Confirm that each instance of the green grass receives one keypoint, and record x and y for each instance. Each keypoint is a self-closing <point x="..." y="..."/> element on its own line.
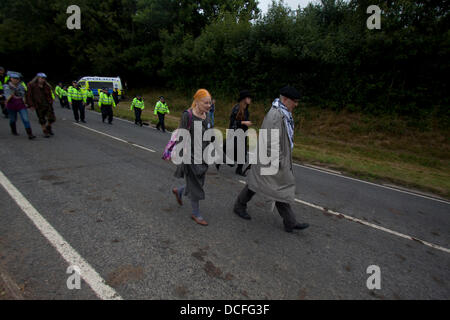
<point x="379" y="149"/>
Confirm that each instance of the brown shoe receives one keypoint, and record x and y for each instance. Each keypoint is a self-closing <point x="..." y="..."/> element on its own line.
<point x="175" y="192"/>
<point x="200" y="222"/>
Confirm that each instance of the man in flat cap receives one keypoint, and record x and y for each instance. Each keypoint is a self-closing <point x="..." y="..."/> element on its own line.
<point x="278" y="186"/>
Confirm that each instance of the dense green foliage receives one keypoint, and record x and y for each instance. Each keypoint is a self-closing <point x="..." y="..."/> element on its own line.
<point x="325" y="49"/>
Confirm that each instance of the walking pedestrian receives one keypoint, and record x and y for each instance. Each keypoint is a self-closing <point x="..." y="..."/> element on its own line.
<point x="39" y="97"/>
<point x="14" y="94"/>
<point x="106" y="103"/>
<point x="58" y="93"/>
<point x="194" y="174"/>
<point x="138" y="106"/>
<point x="64" y="100"/>
<point x="239" y="119"/>
<point x="77" y="99"/>
<point x="115" y="95"/>
<point x="161" y="109"/>
<point x="280" y="186"/>
<point x="3" y="81"/>
<point x="89" y="98"/>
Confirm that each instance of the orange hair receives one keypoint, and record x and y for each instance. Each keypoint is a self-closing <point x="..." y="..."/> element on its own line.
<point x="201" y="93"/>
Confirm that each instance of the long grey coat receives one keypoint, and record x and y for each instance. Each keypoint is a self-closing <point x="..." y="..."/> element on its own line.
<point x="281" y="186"/>
<point x="194" y="174"/>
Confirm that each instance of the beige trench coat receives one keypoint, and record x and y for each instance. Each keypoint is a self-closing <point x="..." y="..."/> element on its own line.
<point x="281" y="186"/>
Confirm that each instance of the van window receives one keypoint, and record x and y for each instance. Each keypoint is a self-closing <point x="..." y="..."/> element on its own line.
<point x="100" y="85"/>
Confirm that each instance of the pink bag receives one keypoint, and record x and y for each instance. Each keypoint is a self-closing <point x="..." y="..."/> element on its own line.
<point x="167" y="154"/>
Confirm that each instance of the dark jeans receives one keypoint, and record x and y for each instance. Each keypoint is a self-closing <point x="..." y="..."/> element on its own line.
<point x="64" y="102"/>
<point x="23" y="115"/>
<point x="107" y="112"/>
<point x="137" y="116"/>
<point x="161" y="122"/>
<point x="78" y="109"/>
<point x="90" y="101"/>
<point x="284" y="209"/>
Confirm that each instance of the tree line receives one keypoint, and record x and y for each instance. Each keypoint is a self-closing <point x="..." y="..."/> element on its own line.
<point x="324" y="49"/>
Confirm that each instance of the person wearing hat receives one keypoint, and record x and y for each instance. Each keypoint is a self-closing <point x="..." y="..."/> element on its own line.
<point x="4" y="78"/>
<point x="161" y="109"/>
<point x="239" y="119"/>
<point x="40" y="97"/>
<point x="77" y="99"/>
<point x="58" y="90"/>
<point x="64" y="99"/>
<point x="277" y="186"/>
<point x="14" y="94"/>
<point x="106" y="103"/>
<point x="138" y="106"/>
<point x="89" y="97"/>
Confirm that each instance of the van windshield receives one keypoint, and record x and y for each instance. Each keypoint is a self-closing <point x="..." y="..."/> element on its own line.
<point x="100" y="85"/>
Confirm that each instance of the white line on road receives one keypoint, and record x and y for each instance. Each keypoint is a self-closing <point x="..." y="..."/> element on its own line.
<point x="373" y="184"/>
<point x="341" y="215"/>
<point x="332" y="212"/>
<point x="92" y="278"/>
<point x="115" y="138"/>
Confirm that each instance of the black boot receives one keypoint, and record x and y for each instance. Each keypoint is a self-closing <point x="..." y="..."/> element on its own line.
<point x="13" y="129"/>
<point x="46" y="134"/>
<point x="239" y="170"/>
<point x="31" y="136"/>
<point x="49" y="130"/>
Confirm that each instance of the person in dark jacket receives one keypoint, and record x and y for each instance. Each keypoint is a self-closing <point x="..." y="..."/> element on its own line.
<point x="239" y="119"/>
<point x="39" y="97"/>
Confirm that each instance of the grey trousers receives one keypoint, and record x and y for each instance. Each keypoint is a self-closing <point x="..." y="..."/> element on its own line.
<point x="284" y="209"/>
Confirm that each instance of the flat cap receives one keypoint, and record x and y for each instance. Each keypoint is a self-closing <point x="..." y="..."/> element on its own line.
<point x="290" y="92"/>
<point x="13" y="74"/>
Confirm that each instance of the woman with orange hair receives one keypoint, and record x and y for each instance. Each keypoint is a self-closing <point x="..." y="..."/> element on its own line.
<point x="195" y="174"/>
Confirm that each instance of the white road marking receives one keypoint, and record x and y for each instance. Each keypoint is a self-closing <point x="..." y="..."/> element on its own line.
<point x="115" y="138"/>
<point x="72" y="257"/>
<point x="341" y="215"/>
<point x="337" y="213"/>
<point x="373" y="184"/>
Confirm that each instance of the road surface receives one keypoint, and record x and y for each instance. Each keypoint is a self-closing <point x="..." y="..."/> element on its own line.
<point x="98" y="196"/>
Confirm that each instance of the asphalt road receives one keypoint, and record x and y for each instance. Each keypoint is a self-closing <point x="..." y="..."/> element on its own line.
<point x="109" y="198"/>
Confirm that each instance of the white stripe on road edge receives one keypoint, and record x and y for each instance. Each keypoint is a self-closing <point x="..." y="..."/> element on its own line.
<point x="371" y="183"/>
<point x="92" y="278"/>
<point x="115" y="138"/>
<point x="341" y="215"/>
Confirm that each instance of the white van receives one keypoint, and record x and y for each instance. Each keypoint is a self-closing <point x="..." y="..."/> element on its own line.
<point x="97" y="83"/>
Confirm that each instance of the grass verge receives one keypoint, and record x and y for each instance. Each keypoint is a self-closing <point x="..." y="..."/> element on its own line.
<point x="378" y="149"/>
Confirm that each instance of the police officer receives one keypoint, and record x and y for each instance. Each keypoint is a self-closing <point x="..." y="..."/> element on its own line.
<point x="58" y="90"/>
<point x="64" y="95"/>
<point x="89" y="98"/>
<point x="106" y="103"/>
<point x="138" y="106"/>
<point x="3" y="80"/>
<point x="77" y="99"/>
<point x="161" y="109"/>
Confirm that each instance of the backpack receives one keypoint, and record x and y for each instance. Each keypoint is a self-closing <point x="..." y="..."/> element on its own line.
<point x="167" y="154"/>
